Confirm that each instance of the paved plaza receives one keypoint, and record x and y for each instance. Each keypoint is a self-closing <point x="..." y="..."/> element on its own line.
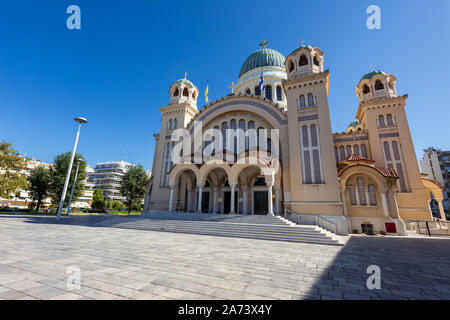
<point x="36" y="252"/>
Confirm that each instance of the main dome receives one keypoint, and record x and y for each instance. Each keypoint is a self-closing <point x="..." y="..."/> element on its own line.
<point x="262" y="58"/>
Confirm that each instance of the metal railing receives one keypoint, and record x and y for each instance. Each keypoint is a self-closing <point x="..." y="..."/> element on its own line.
<point x="310" y="219"/>
<point x="430" y="228"/>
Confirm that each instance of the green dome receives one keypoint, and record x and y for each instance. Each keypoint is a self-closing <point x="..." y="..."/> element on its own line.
<point x="185" y="81"/>
<point x="354" y="124"/>
<point x="370" y="75"/>
<point x="262" y="58"/>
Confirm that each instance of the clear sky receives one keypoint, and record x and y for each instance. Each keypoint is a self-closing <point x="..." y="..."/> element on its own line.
<point x="116" y="70"/>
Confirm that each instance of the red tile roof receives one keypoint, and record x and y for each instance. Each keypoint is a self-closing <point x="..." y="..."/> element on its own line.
<point x="386" y="172"/>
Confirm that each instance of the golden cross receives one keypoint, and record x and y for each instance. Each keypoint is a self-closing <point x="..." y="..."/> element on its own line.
<point x="264" y="43"/>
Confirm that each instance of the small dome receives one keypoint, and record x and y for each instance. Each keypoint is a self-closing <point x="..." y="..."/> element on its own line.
<point x="185" y="81"/>
<point x="354" y="124"/>
<point x="262" y="58"/>
<point x="371" y="74"/>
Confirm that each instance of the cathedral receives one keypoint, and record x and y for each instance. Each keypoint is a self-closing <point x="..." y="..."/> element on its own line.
<point x="366" y="175"/>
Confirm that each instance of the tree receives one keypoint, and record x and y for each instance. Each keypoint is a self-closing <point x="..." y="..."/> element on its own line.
<point x="58" y="176"/>
<point x="133" y="186"/>
<point x="39" y="180"/>
<point x="12" y="166"/>
<point x="98" y="200"/>
<point x="117" y="205"/>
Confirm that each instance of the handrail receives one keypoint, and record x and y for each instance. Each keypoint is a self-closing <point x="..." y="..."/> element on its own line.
<point x="320" y="221"/>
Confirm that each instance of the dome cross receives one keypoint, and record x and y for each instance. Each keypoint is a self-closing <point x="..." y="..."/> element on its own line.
<point x="264" y="43"/>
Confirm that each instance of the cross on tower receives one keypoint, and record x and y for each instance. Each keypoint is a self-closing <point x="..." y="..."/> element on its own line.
<point x="185" y="76"/>
<point x="264" y="43"/>
<point x="301" y="43"/>
<point x="232" y="87"/>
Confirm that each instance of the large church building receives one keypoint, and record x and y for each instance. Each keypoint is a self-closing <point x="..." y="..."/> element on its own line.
<point x="367" y="174"/>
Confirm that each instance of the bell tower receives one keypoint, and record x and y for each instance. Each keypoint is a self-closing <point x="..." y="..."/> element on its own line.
<point x="182" y="108"/>
<point x="314" y="183"/>
<point x="382" y="112"/>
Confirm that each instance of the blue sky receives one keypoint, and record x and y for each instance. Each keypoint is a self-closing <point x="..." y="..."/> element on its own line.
<point x="116" y="70"/>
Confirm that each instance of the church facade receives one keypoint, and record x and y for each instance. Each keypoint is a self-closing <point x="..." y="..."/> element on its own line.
<point x="367" y="174"/>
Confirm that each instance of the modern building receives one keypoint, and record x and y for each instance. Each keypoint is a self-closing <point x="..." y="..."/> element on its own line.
<point x="289" y="159"/>
<point x="436" y="164"/>
<point x="85" y="200"/>
<point x="108" y="176"/>
<point x="21" y="199"/>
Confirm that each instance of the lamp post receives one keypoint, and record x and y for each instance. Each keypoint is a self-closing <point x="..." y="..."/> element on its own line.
<point x="73" y="187"/>
<point x="80" y="121"/>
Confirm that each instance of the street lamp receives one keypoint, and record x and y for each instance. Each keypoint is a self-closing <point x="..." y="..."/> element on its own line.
<point x="80" y="121"/>
<point x="73" y="186"/>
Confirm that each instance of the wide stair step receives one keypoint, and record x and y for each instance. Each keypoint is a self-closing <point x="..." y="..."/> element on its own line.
<point x="237" y="226"/>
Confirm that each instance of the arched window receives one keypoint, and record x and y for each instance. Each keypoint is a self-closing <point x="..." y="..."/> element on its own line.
<point x="356" y="149"/>
<point x="291" y="66"/>
<point x="310" y="99"/>
<point x="269" y="145"/>
<point x="302" y="101"/>
<point x="194" y="95"/>
<point x="175" y="123"/>
<point x="279" y="94"/>
<point x="372" y="195"/>
<point x="336" y="155"/>
<point x="389" y="120"/>
<point x="342" y="152"/>
<point x="361" y="192"/>
<point x="233" y="126"/>
<point x="381" y="121"/>
<point x="251" y="125"/>
<point x="387" y="152"/>
<point x="248" y="91"/>
<point x="379" y="85"/>
<point x="366" y="89"/>
<point x="257" y="91"/>
<point x="169" y="124"/>
<point x="349" y="150"/>
<point x="352" y="194"/>
<point x="316" y="61"/>
<point x="396" y="150"/>
<point x="303" y="61"/>
<point x="224" y="135"/>
<point x="176" y="92"/>
<point x="364" y="151"/>
<point x="269" y="92"/>
<point x="186" y="92"/>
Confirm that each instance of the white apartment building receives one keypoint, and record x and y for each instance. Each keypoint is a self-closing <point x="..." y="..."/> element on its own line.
<point x="108" y="176"/>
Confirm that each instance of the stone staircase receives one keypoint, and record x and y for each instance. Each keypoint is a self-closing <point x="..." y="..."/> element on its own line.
<point x="238" y="226"/>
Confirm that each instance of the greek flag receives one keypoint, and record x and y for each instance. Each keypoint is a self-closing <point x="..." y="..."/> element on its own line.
<point x="261" y="83"/>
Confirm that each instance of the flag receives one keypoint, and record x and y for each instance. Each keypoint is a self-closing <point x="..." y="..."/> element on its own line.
<point x="206" y="93"/>
<point x="261" y="83"/>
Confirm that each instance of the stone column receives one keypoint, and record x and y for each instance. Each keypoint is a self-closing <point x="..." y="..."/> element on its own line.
<point x="172" y="188"/>
<point x="215" y="200"/>
<point x="441" y="210"/>
<point x="385" y="204"/>
<point x="244" y="205"/>
<point x="277" y="201"/>
<point x="199" y="204"/>
<point x="233" y="187"/>
<point x="269" y="199"/>
<point x="344" y="201"/>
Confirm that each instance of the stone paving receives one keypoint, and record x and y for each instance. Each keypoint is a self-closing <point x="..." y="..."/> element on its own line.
<point x="132" y="264"/>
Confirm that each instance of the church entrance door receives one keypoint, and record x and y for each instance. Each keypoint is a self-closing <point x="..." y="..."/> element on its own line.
<point x="260" y="202"/>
